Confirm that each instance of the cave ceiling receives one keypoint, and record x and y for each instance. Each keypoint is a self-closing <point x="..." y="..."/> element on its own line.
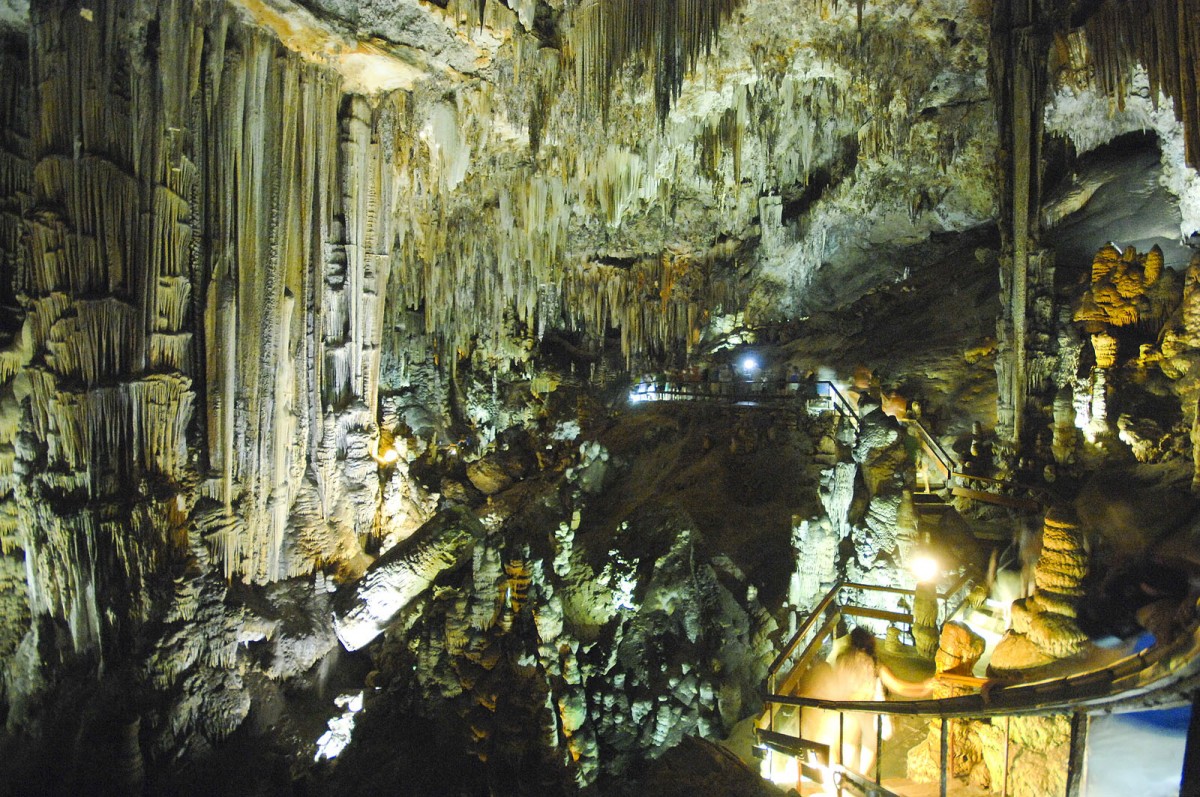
<point x="803" y="150"/>
<point x="807" y="146"/>
<point x="794" y="150"/>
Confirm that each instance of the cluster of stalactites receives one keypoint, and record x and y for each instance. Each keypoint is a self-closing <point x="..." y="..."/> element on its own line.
<point x="667" y="35"/>
<point x="791" y="121"/>
<point x="1164" y="37"/>
<point x="657" y="304"/>
<point x="209" y="132"/>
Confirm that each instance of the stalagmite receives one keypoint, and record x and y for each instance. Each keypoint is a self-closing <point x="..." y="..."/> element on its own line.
<point x="1063" y="426"/>
<point x="364" y="610"/>
<point x="1043" y="626"/>
<point x="264" y="312"/>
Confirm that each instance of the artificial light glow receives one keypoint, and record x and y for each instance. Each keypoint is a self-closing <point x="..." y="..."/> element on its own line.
<point x="749" y="364"/>
<point x="387" y="456"/>
<point x="782" y="770"/>
<point x="925" y="567"/>
<point x="334" y="740"/>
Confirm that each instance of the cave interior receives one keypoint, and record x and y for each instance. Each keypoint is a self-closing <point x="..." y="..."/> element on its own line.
<point x="461" y="397"/>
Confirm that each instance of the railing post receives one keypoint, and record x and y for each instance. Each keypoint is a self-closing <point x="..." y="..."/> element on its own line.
<point x="771" y="705"/>
<point x="1078" y="756"/>
<point x="841" y="749"/>
<point x="841" y="756"/>
<point x="878" y="749"/>
<point x="1190" y="781"/>
<point x="943" y="756"/>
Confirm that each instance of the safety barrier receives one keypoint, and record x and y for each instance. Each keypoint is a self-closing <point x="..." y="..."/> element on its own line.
<point x="1162" y="676"/>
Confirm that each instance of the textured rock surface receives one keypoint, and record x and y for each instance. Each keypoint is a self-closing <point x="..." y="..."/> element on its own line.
<point x="1043" y="628"/>
<point x="395" y="579"/>
<point x="281" y="281"/>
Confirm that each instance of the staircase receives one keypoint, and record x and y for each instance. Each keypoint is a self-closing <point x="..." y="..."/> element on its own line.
<point x="816" y="763"/>
<point x="945" y="474"/>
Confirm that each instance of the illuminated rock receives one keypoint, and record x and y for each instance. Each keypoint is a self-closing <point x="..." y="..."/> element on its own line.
<point x="365" y="609"/>
<point x="1063" y="427"/>
<point x="1044" y="628"/>
<point x="1105" y="347"/>
<point x="959" y="648"/>
<point x="488" y="476"/>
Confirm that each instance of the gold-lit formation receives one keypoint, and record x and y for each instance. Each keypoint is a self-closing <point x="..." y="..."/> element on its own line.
<point x="1043" y="624"/>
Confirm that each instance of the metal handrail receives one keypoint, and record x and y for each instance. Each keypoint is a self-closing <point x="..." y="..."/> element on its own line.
<point x="952" y="472"/>
<point x="829" y="600"/>
<point x="840" y="402"/>
<point x="1038" y="493"/>
<point x="804" y="628"/>
<point x="1159" y="677"/>
<point x="931" y="444"/>
<point x="960" y="590"/>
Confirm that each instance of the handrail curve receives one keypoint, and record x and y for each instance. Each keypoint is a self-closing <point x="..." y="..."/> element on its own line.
<point x="1159" y="677"/>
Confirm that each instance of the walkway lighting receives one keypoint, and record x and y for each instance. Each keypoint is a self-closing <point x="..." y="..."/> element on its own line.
<point x="925" y="567"/>
<point x="386" y="456"/>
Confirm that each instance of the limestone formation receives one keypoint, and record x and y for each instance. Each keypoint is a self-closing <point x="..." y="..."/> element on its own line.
<point x="815" y="548"/>
<point x="1063" y="427"/>
<point x="1127" y="291"/>
<point x="1044" y="630"/>
<point x="280" y="281"/>
<point x="958" y="650"/>
<point x="925" y="617"/>
<point x="396" y="578"/>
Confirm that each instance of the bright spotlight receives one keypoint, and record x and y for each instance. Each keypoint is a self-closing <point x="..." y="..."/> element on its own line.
<point x="387" y="456"/>
<point x="925" y="567"/>
<point x="749" y="365"/>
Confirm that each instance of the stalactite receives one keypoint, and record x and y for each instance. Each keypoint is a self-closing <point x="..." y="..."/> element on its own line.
<point x="16" y="194"/>
<point x="669" y="36"/>
<point x="1164" y="37"/>
<point x="110" y="252"/>
<point x="265" y="235"/>
<point x="658" y="304"/>
<point x="101" y="202"/>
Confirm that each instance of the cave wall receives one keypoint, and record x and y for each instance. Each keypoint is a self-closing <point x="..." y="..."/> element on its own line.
<point x="210" y="227"/>
<point x="195" y="270"/>
<point x="238" y="277"/>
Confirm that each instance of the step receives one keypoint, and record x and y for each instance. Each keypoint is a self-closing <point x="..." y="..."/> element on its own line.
<point x="1026" y="504"/>
<point x="792" y="745"/>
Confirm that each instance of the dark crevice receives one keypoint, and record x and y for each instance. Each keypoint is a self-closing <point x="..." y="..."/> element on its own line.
<point x="625" y="263"/>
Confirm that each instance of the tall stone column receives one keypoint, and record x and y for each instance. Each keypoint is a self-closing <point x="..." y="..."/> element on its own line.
<point x="1017" y="74"/>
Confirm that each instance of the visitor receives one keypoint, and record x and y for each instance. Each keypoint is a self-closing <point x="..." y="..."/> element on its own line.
<point x="725" y="377"/>
<point x="854" y="674"/>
